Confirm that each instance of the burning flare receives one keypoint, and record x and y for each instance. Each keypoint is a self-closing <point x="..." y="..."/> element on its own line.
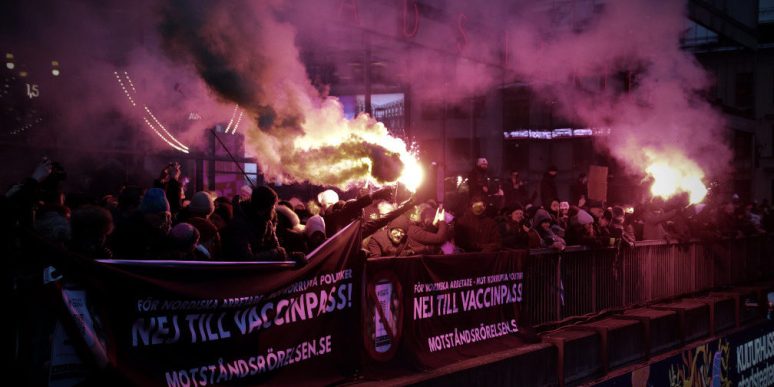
<point x="672" y="173"/>
<point x="337" y="151"/>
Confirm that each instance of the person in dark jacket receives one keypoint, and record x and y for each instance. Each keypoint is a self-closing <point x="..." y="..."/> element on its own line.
<point x="515" y="191"/>
<point x="604" y="228"/>
<point x="90" y="227"/>
<point x="430" y="231"/>
<point x="391" y="241"/>
<point x="478" y="181"/>
<point x="654" y="216"/>
<point x="169" y="181"/>
<point x="548" y="191"/>
<point x="476" y="232"/>
<point x="582" y="230"/>
<point x="251" y="235"/>
<point x="144" y="235"/>
<point x="198" y="214"/>
<point x="223" y="213"/>
<point x="388" y="234"/>
<point x="184" y="244"/>
<point x="513" y="231"/>
<point x="290" y="231"/>
<point x="579" y="191"/>
<point x="338" y="214"/>
<point x="541" y="234"/>
<point x="314" y="229"/>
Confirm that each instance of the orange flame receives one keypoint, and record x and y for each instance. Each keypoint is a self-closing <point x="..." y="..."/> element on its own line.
<point x="673" y="173"/>
<point x="341" y="137"/>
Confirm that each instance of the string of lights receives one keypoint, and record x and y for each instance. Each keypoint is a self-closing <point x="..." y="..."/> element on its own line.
<point x="123" y="87"/>
<point x="239" y="119"/>
<point x="184" y="150"/>
<point x="131" y="84"/>
<point x="231" y="121"/>
<point x="169" y="138"/>
<point x="180" y="144"/>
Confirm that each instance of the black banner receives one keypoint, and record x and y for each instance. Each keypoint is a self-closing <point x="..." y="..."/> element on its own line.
<point x="214" y="323"/>
<point x="434" y="310"/>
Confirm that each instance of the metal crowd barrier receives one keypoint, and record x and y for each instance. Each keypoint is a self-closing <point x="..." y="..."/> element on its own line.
<point x="581" y="281"/>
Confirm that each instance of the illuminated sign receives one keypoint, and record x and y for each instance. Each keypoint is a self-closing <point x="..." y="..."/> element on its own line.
<point x="548" y="134"/>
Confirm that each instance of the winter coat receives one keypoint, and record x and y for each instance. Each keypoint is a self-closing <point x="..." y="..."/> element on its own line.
<point x="380" y="245"/>
<point x="290" y="232"/>
<point x="513" y="235"/>
<point x="652" y="228"/>
<point x="422" y="241"/>
<point x="337" y="219"/>
<point x="251" y="238"/>
<point x="172" y="188"/>
<point x="477" y="233"/>
<point x="135" y="238"/>
<point x="577" y="190"/>
<point x="543" y="237"/>
<point x="208" y="235"/>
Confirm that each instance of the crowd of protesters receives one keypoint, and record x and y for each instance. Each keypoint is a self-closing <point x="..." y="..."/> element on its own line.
<point x="541" y="219"/>
<point x="158" y="222"/>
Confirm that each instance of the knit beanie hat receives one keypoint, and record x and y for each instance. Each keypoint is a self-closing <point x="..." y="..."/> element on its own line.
<point x="184" y="237"/>
<point x="263" y="198"/>
<point x="154" y="201"/>
<point x="583" y="218"/>
<point x="315" y="223"/>
<point x="541" y="216"/>
<point x="201" y="204"/>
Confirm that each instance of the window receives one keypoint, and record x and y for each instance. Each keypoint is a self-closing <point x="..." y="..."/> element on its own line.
<point x="698" y="35"/>
<point x="743" y="89"/>
<point x="743" y="145"/>
<point x="463" y="148"/>
<point x="516" y="155"/>
<point x="766" y="11"/>
<point x="516" y="106"/>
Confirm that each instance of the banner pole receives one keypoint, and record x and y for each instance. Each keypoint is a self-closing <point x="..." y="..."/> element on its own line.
<point x="249" y="180"/>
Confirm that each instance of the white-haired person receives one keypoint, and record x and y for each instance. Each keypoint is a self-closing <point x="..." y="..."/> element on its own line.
<point x="338" y="214"/>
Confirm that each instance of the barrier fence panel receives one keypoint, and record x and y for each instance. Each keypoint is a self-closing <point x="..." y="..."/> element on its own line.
<point x="580" y="281"/>
<point x="608" y="287"/>
<point x="635" y="280"/>
<point x="706" y="266"/>
<point x="542" y="302"/>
